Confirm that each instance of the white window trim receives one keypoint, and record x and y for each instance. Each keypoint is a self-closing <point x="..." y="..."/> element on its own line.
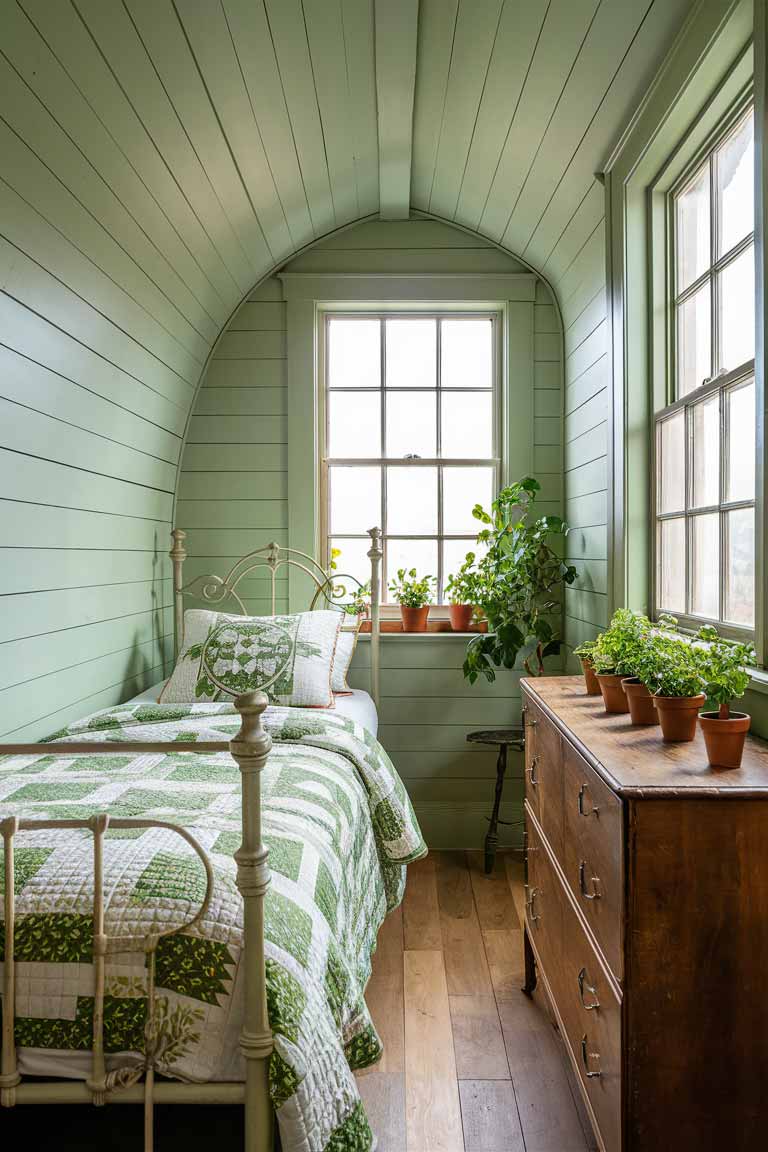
<point x="307" y="294"/>
<point x="717" y="384"/>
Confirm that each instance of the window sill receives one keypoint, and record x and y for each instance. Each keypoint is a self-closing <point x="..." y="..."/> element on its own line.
<point x="443" y="634"/>
<point x="758" y="681"/>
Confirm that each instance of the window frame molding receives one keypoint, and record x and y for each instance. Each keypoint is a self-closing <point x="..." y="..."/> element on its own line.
<point x="308" y="294"/>
<point x="663" y="250"/>
<point x="709" y="67"/>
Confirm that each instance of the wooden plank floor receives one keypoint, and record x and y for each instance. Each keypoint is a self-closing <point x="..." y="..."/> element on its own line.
<point x="470" y="1064"/>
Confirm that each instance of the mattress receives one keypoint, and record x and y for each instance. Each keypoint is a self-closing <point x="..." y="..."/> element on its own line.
<point x="357" y="706"/>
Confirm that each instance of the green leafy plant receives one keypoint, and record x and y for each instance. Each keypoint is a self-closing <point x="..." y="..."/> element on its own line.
<point x="673" y="666"/>
<point x="586" y="650"/>
<point x="520" y="578"/>
<point x="412" y="590"/>
<point x="465" y="586"/>
<point x="725" y="668"/>
<point x="621" y="648"/>
<point x="359" y="600"/>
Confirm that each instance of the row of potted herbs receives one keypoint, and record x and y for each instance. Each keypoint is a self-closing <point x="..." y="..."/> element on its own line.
<point x="415" y="595"/>
<point x="661" y="677"/>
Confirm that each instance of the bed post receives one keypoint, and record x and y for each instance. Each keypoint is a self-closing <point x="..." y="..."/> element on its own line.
<point x="374" y="555"/>
<point x="250" y="748"/>
<point x="9" y="1073"/>
<point x="178" y="555"/>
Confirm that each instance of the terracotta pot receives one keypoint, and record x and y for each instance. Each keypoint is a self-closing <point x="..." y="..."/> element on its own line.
<point x="414" y="619"/>
<point x="590" y="677"/>
<point x="461" y="616"/>
<point x="677" y="716"/>
<point x="640" y="701"/>
<point x="724" y="738"/>
<point x="614" y="697"/>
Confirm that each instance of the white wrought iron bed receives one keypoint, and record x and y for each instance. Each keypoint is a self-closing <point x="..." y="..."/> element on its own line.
<point x="250" y="749"/>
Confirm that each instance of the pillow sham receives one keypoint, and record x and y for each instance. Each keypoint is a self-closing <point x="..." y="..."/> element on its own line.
<point x="291" y="657"/>
<point x="345" y="650"/>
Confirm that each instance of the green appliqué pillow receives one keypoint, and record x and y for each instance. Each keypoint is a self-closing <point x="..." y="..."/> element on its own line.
<point x="289" y="657"/>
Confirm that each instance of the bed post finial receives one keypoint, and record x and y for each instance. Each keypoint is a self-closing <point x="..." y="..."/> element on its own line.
<point x="178" y="555"/>
<point x="250" y="748"/>
<point x="375" y="554"/>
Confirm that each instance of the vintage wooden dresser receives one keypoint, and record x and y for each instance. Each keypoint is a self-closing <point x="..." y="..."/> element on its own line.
<point x="647" y="922"/>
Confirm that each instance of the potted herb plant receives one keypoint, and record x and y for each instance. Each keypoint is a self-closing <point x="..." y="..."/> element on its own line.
<point x="585" y="652"/>
<point x="413" y="593"/>
<point x="520" y="584"/>
<point x="676" y="669"/>
<point x="727" y="679"/>
<point x="463" y="591"/>
<point x="615" y="658"/>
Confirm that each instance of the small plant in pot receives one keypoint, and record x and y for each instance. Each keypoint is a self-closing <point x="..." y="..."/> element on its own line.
<point x="727" y="679"/>
<point x="615" y="658"/>
<point x="414" y="594"/>
<point x="585" y="653"/>
<point x="676" y="673"/>
<point x="462" y="589"/>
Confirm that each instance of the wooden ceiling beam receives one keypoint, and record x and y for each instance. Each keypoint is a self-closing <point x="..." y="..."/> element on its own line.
<point x="396" y="29"/>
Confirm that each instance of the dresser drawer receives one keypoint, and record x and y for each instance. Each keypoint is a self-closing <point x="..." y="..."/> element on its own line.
<point x="543" y="902"/>
<point x="544" y="774"/>
<point x="591" y="1013"/>
<point x="594" y="853"/>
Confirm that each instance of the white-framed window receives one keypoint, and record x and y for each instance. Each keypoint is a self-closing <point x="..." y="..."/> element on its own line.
<point x="704" y="439"/>
<point x="411" y="435"/>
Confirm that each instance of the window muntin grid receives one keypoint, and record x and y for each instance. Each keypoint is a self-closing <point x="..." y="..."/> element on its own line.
<point x="704" y="441"/>
<point x="459" y="450"/>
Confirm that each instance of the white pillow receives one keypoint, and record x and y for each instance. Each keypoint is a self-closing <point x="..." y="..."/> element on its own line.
<point x="345" y="650"/>
<point x="290" y="657"/>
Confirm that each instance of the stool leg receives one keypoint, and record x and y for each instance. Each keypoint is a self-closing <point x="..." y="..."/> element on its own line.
<point x="492" y="837"/>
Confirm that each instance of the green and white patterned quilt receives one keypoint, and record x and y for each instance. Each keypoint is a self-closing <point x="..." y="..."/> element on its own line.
<point x="340" y="829"/>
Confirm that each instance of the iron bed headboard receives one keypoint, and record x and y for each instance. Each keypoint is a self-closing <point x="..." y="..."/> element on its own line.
<point x="330" y="587"/>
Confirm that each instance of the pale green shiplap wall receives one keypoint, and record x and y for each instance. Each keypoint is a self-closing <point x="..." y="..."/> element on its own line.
<point x="577" y="270"/>
<point x="232" y="496"/>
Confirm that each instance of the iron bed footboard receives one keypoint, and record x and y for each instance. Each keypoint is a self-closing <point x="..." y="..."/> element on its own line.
<point x="250" y="749"/>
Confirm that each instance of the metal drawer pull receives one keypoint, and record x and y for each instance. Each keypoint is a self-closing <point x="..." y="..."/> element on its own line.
<point x="592" y="991"/>
<point x="593" y="810"/>
<point x="595" y="894"/>
<point x="530" y="897"/>
<point x="586" y="1057"/>
<point x="532" y="772"/>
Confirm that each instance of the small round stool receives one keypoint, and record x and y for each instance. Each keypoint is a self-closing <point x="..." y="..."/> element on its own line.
<point x="501" y="738"/>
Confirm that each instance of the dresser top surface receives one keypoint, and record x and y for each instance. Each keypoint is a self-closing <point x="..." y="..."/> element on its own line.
<point x="634" y="760"/>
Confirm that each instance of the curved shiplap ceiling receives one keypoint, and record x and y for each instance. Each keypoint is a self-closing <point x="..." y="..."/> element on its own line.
<point x="157" y="159"/>
<point x="235" y="132"/>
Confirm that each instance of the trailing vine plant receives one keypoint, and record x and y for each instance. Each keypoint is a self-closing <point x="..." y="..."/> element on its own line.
<point x="520" y="579"/>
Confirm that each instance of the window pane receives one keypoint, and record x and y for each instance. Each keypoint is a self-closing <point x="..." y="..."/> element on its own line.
<point x="692" y="208"/>
<point x="412" y="501"/>
<point x="352" y="562"/>
<point x="705" y="565"/>
<point x="412" y="424"/>
<point x="737" y="311"/>
<point x="705" y="452"/>
<point x="671" y="464"/>
<point x="411" y="353"/>
<point x="355" y="499"/>
<point x="670" y="576"/>
<point x="467" y="424"/>
<point x="354" y="424"/>
<point x="454" y="554"/>
<point x="462" y="489"/>
<point x="694" y="326"/>
<point x="740" y="416"/>
<point x="740" y="567"/>
<point x="734" y="167"/>
<point x="418" y="554"/>
<point x="354" y="354"/>
<point x="467" y="354"/>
